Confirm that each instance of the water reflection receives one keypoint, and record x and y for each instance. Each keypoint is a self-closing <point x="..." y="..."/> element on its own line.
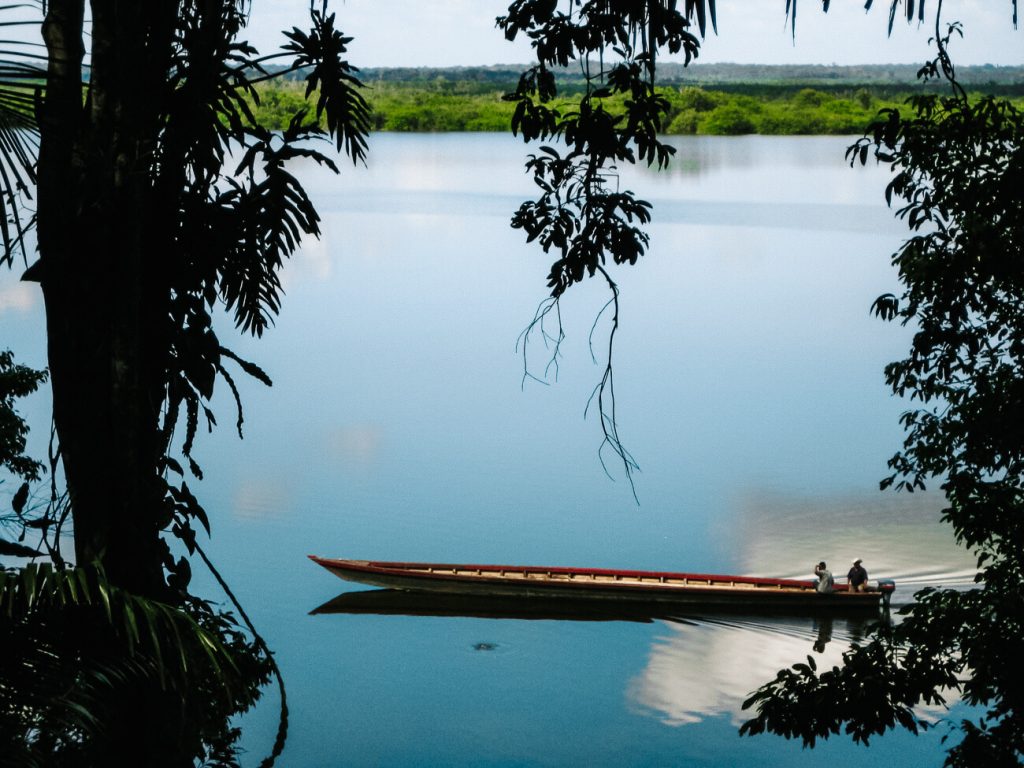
<point x="704" y="665"/>
<point x="712" y="155"/>
<point x="707" y="666"/>
<point x="397" y="602"/>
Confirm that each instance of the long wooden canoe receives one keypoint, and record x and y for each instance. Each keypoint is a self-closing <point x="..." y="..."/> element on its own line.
<point x="603" y="584"/>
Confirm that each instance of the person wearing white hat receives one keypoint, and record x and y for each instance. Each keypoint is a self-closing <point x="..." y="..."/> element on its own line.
<point x="858" y="577"/>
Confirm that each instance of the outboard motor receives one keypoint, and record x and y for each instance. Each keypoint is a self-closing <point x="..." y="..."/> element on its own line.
<point x="886" y="587"/>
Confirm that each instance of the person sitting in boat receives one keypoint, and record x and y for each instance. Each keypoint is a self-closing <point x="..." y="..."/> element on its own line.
<point x="858" y="577"/>
<point x="825" y="581"/>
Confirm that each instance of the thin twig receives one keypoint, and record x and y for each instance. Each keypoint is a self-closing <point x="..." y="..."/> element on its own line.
<point x="607" y="413"/>
<point x="553" y="343"/>
<point x="282" y="725"/>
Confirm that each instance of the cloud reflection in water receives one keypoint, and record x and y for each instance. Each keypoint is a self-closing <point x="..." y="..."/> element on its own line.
<point x="704" y="667"/>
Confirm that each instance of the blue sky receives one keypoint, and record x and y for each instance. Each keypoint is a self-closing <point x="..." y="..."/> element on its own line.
<point x="393" y="33"/>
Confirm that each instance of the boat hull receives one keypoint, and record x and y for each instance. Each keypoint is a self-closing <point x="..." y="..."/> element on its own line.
<point x="647" y="587"/>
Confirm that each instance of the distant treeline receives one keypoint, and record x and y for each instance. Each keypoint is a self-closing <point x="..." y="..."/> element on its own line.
<point x="718" y="99"/>
<point x="751" y="77"/>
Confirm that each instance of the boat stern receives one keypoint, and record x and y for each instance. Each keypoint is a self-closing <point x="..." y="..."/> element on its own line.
<point x="886" y="587"/>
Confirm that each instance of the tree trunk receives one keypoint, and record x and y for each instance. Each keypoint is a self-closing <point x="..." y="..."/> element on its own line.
<point x="103" y="307"/>
<point x="105" y="314"/>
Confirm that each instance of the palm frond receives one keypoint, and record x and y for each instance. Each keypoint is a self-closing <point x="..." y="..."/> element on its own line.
<point x="22" y="73"/>
<point x="74" y="645"/>
<point x="149" y="629"/>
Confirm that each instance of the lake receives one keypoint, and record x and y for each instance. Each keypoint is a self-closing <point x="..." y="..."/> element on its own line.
<point x="400" y="427"/>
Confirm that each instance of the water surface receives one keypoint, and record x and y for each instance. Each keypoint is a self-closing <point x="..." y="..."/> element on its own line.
<point x="399" y="427"/>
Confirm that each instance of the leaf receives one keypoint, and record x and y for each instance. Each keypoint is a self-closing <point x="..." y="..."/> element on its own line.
<point x="250" y="368"/>
<point x="155" y="645"/>
<point x="131" y="626"/>
<point x="20" y="497"/>
<point x="173" y="465"/>
<point x="347" y="112"/>
<point x="28" y="580"/>
<point x="13" y="549"/>
<point x="103" y="589"/>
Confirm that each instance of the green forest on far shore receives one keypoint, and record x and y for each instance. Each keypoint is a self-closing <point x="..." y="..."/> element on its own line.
<point x="470" y="99"/>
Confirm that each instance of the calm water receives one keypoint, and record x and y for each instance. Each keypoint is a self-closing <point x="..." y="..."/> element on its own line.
<point x="750" y="391"/>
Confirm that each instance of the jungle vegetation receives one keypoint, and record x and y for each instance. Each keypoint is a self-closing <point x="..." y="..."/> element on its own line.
<point x="158" y="198"/>
<point x="722" y="100"/>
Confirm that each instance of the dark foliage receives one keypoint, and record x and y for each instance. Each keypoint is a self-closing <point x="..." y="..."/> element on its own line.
<point x="160" y="198"/>
<point x="581" y="215"/>
<point x="19" y="139"/>
<point x="16" y="381"/>
<point x="958" y="168"/>
<point x="76" y="646"/>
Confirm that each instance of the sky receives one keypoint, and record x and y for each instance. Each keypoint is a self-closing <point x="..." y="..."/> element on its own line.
<point x="441" y="33"/>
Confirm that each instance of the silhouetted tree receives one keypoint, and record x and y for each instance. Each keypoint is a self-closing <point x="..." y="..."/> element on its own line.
<point x="158" y="197"/>
<point x="958" y="167"/>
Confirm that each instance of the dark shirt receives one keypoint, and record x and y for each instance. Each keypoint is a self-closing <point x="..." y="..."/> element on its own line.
<point x="857" y="576"/>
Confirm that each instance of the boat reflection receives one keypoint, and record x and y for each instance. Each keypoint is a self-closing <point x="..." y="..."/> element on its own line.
<point x="397" y="602"/>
